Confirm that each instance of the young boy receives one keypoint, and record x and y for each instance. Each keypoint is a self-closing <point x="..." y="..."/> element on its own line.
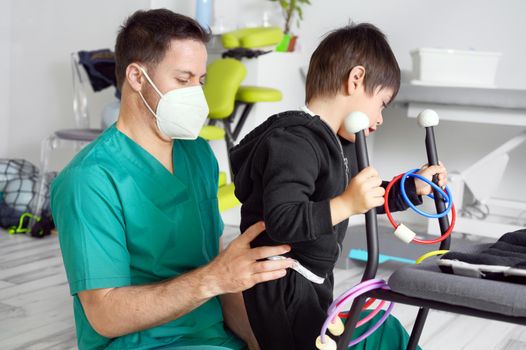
<point x="293" y="172"/>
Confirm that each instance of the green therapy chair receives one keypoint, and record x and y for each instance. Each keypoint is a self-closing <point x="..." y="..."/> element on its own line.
<point x="251" y="38"/>
<point x="225" y="95"/>
<point x="223" y="79"/>
<point x="248" y="39"/>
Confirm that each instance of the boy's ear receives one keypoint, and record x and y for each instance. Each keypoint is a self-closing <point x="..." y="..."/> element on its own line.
<point x="355" y="79"/>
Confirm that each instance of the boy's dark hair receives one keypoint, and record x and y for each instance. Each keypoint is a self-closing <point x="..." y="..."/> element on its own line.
<point x="345" y="48"/>
<point x="146" y="35"/>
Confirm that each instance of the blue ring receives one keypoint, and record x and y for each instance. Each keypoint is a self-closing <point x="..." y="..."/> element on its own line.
<point x="445" y="195"/>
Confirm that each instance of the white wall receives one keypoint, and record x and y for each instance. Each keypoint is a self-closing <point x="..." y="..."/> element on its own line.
<point x="483" y="25"/>
<point x="36" y="38"/>
<point x="186" y="7"/>
<point x="399" y="145"/>
<point x="5" y="69"/>
<point x="449" y="24"/>
<point x="230" y="14"/>
<point x="469" y="24"/>
<point x="43" y="34"/>
<point x="478" y="24"/>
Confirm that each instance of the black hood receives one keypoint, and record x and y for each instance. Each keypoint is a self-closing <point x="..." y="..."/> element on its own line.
<point x="242" y="155"/>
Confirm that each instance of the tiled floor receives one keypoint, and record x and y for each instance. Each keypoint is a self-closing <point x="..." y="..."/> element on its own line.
<point x="36" y="310"/>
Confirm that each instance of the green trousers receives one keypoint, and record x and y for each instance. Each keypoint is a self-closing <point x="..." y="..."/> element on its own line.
<point x="390" y="336"/>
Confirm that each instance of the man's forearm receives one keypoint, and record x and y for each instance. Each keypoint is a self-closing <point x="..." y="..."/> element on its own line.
<point x="114" y="312"/>
<point x="125" y="310"/>
<point x="236" y="318"/>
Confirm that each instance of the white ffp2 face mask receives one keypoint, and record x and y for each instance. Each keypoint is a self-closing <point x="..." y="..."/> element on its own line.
<point x="181" y="113"/>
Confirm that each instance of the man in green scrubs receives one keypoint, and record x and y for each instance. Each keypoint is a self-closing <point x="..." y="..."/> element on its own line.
<point x="137" y="213"/>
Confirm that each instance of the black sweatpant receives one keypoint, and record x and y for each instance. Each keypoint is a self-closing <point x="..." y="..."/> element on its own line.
<point x="288" y="313"/>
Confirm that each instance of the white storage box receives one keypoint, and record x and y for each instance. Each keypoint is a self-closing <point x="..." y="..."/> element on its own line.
<point x="454" y="67"/>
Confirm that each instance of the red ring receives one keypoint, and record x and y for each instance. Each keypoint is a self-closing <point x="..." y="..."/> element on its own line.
<point x="395" y="225"/>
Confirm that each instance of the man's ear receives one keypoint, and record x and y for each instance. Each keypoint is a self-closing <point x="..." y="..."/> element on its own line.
<point x="355" y="79"/>
<point x="134" y="77"/>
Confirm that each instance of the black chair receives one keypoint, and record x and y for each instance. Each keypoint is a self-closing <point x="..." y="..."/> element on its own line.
<point x="425" y="286"/>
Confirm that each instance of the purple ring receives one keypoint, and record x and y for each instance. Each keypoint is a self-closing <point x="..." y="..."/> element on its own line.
<point x="352" y="293"/>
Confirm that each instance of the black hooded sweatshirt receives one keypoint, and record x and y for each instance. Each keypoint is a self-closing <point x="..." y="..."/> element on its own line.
<point x="286" y="171"/>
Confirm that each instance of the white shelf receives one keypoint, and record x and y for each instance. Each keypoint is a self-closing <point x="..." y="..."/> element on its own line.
<point x="491" y="106"/>
<point x="491" y="227"/>
<point x="471" y="114"/>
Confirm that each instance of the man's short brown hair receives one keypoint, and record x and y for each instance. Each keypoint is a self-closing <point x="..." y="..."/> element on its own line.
<point x="146" y="35"/>
<point x="345" y="48"/>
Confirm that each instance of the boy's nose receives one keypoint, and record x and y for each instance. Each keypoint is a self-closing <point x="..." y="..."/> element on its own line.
<point x="380" y="120"/>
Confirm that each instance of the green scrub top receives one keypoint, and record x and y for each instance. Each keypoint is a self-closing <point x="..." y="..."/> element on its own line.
<point x="391" y="335"/>
<point x="124" y="219"/>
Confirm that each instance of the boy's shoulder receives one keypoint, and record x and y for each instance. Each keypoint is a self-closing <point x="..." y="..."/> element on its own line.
<point x="273" y="128"/>
<point x="292" y="136"/>
<point x="300" y="125"/>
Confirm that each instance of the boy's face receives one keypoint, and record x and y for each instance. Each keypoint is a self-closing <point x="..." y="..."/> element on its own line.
<point x="372" y="105"/>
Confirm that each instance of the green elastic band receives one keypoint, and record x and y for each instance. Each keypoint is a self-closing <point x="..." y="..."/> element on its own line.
<point x="23" y="226"/>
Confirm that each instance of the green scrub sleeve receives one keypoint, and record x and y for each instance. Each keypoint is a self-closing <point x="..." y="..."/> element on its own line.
<point x="88" y="215"/>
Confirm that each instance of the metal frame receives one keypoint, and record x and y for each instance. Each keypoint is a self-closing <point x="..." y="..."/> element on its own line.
<point x="228" y="123"/>
<point x="372" y="266"/>
<point x="437" y="305"/>
<point x="232" y="131"/>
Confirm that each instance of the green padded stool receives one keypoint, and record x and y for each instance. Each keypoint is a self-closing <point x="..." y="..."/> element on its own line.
<point x="247" y="96"/>
<point x="212" y="132"/>
<point x="223" y="79"/>
<point x="227" y="198"/>
<point x="222" y="179"/>
<point x="224" y="96"/>
<point x="253" y="94"/>
<point x="250" y="38"/>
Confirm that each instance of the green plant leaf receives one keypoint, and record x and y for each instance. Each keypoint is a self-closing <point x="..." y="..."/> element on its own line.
<point x="300" y="13"/>
<point x="289" y="7"/>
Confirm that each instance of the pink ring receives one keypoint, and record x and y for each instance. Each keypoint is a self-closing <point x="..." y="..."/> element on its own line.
<point x="371" y="314"/>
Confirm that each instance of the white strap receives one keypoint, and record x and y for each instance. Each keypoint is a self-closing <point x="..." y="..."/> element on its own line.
<point x="302" y="270"/>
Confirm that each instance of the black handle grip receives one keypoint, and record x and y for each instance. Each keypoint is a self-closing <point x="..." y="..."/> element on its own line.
<point x="371" y="226"/>
<point x="432" y="159"/>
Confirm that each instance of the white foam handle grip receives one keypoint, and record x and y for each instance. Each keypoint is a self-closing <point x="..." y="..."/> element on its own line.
<point x="427" y="118"/>
<point x="336" y="327"/>
<point x="329" y="344"/>
<point x="356" y="121"/>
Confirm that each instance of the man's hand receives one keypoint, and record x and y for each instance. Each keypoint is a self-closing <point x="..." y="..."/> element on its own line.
<point x="422" y="188"/>
<point x="238" y="268"/>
